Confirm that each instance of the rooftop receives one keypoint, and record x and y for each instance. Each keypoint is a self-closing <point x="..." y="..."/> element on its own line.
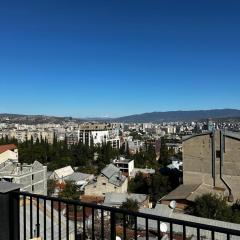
<point x="4" y="148"/>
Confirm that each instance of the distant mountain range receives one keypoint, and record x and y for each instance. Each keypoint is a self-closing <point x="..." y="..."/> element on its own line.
<point x="180" y="116"/>
<point x="169" y="116"/>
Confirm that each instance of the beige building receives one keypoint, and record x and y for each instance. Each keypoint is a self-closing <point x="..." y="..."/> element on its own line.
<point x="110" y="180"/>
<point x="213" y="158"/>
<point x="211" y="164"/>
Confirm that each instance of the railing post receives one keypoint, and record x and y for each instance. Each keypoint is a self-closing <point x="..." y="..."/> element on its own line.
<point x="113" y="225"/>
<point x="9" y="211"/>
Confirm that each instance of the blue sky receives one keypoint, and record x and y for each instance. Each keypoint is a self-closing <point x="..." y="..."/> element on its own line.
<point x="114" y="58"/>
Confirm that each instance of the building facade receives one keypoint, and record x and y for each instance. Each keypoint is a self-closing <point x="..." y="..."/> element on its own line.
<point x="110" y="180"/>
<point x="213" y="158"/>
<point x="33" y="177"/>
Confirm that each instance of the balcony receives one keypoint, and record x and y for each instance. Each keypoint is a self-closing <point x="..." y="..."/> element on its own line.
<point x="31" y="216"/>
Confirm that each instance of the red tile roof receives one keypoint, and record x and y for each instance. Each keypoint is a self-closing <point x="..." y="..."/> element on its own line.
<point x="4" y="148"/>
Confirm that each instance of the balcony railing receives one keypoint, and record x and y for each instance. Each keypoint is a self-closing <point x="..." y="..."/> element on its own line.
<point x="30" y="216"/>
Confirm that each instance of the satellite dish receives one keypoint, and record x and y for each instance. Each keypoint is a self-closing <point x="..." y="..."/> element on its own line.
<point x="118" y="238"/>
<point x="163" y="227"/>
<point x="173" y="204"/>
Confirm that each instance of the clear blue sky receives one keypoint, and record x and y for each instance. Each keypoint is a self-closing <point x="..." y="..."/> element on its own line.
<point x="118" y="57"/>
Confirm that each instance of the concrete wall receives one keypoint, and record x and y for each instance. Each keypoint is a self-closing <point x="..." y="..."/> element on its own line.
<point x="197" y="162"/>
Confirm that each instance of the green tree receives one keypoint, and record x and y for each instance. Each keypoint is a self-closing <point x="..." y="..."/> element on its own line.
<point x="211" y="206"/>
<point x="70" y="191"/>
<point x="160" y="186"/>
<point x="51" y="184"/>
<point x="131" y="205"/>
<point x="139" y="184"/>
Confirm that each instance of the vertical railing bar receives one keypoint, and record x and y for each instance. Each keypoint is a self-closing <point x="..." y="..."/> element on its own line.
<point x="158" y="229"/>
<point x="213" y="235"/>
<point x="59" y="220"/>
<point x="75" y="220"/>
<point x="52" y="221"/>
<point x="84" y="223"/>
<point x="171" y="231"/>
<point x="198" y="233"/>
<point x="31" y="222"/>
<point x="44" y="215"/>
<point x="113" y="225"/>
<point x="228" y="236"/>
<point x="184" y="232"/>
<point x="124" y="227"/>
<point x="93" y="228"/>
<point x="67" y="221"/>
<point x="38" y="227"/>
<point x="102" y="224"/>
<point x="24" y="218"/>
<point x="146" y="222"/>
<point x="135" y="228"/>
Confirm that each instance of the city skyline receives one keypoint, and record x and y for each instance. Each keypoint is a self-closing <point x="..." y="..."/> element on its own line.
<point x="112" y="59"/>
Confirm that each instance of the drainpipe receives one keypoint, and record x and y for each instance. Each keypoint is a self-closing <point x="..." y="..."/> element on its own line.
<point x="213" y="157"/>
<point x="222" y="147"/>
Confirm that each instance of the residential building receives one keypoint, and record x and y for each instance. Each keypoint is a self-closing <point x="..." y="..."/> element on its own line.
<point x="144" y="171"/>
<point x="210" y="165"/>
<point x="213" y="158"/>
<point x="125" y="165"/>
<point x="62" y="175"/>
<point x="32" y="177"/>
<point x="114" y="199"/>
<point x="167" y="212"/>
<point x="8" y="152"/>
<point x="111" y="179"/>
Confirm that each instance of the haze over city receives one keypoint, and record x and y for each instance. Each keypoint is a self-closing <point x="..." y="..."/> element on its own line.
<point x="115" y="58"/>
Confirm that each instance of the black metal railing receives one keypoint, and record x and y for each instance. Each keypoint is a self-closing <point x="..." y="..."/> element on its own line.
<point x="54" y="218"/>
<point x="27" y="216"/>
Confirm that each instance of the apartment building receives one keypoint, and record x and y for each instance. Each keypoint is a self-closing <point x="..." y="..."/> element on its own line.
<point x="99" y="133"/>
<point x="125" y="165"/>
<point x="211" y="164"/>
<point x="213" y="158"/>
<point x="32" y="177"/>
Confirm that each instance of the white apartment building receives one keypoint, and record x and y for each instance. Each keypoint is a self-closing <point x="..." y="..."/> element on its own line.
<point x="125" y="165"/>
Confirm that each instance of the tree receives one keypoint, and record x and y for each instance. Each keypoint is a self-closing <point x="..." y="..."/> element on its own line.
<point x="155" y="185"/>
<point x="131" y="205"/>
<point x="51" y="184"/>
<point x="139" y="184"/>
<point x="159" y="187"/>
<point x="211" y="206"/>
<point x="70" y="191"/>
<point x="164" y="154"/>
<point x="236" y="212"/>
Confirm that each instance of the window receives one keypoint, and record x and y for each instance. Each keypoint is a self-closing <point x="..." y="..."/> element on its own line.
<point x="32" y="188"/>
<point x="218" y="154"/>
<point x="103" y="183"/>
<point x="32" y="177"/>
